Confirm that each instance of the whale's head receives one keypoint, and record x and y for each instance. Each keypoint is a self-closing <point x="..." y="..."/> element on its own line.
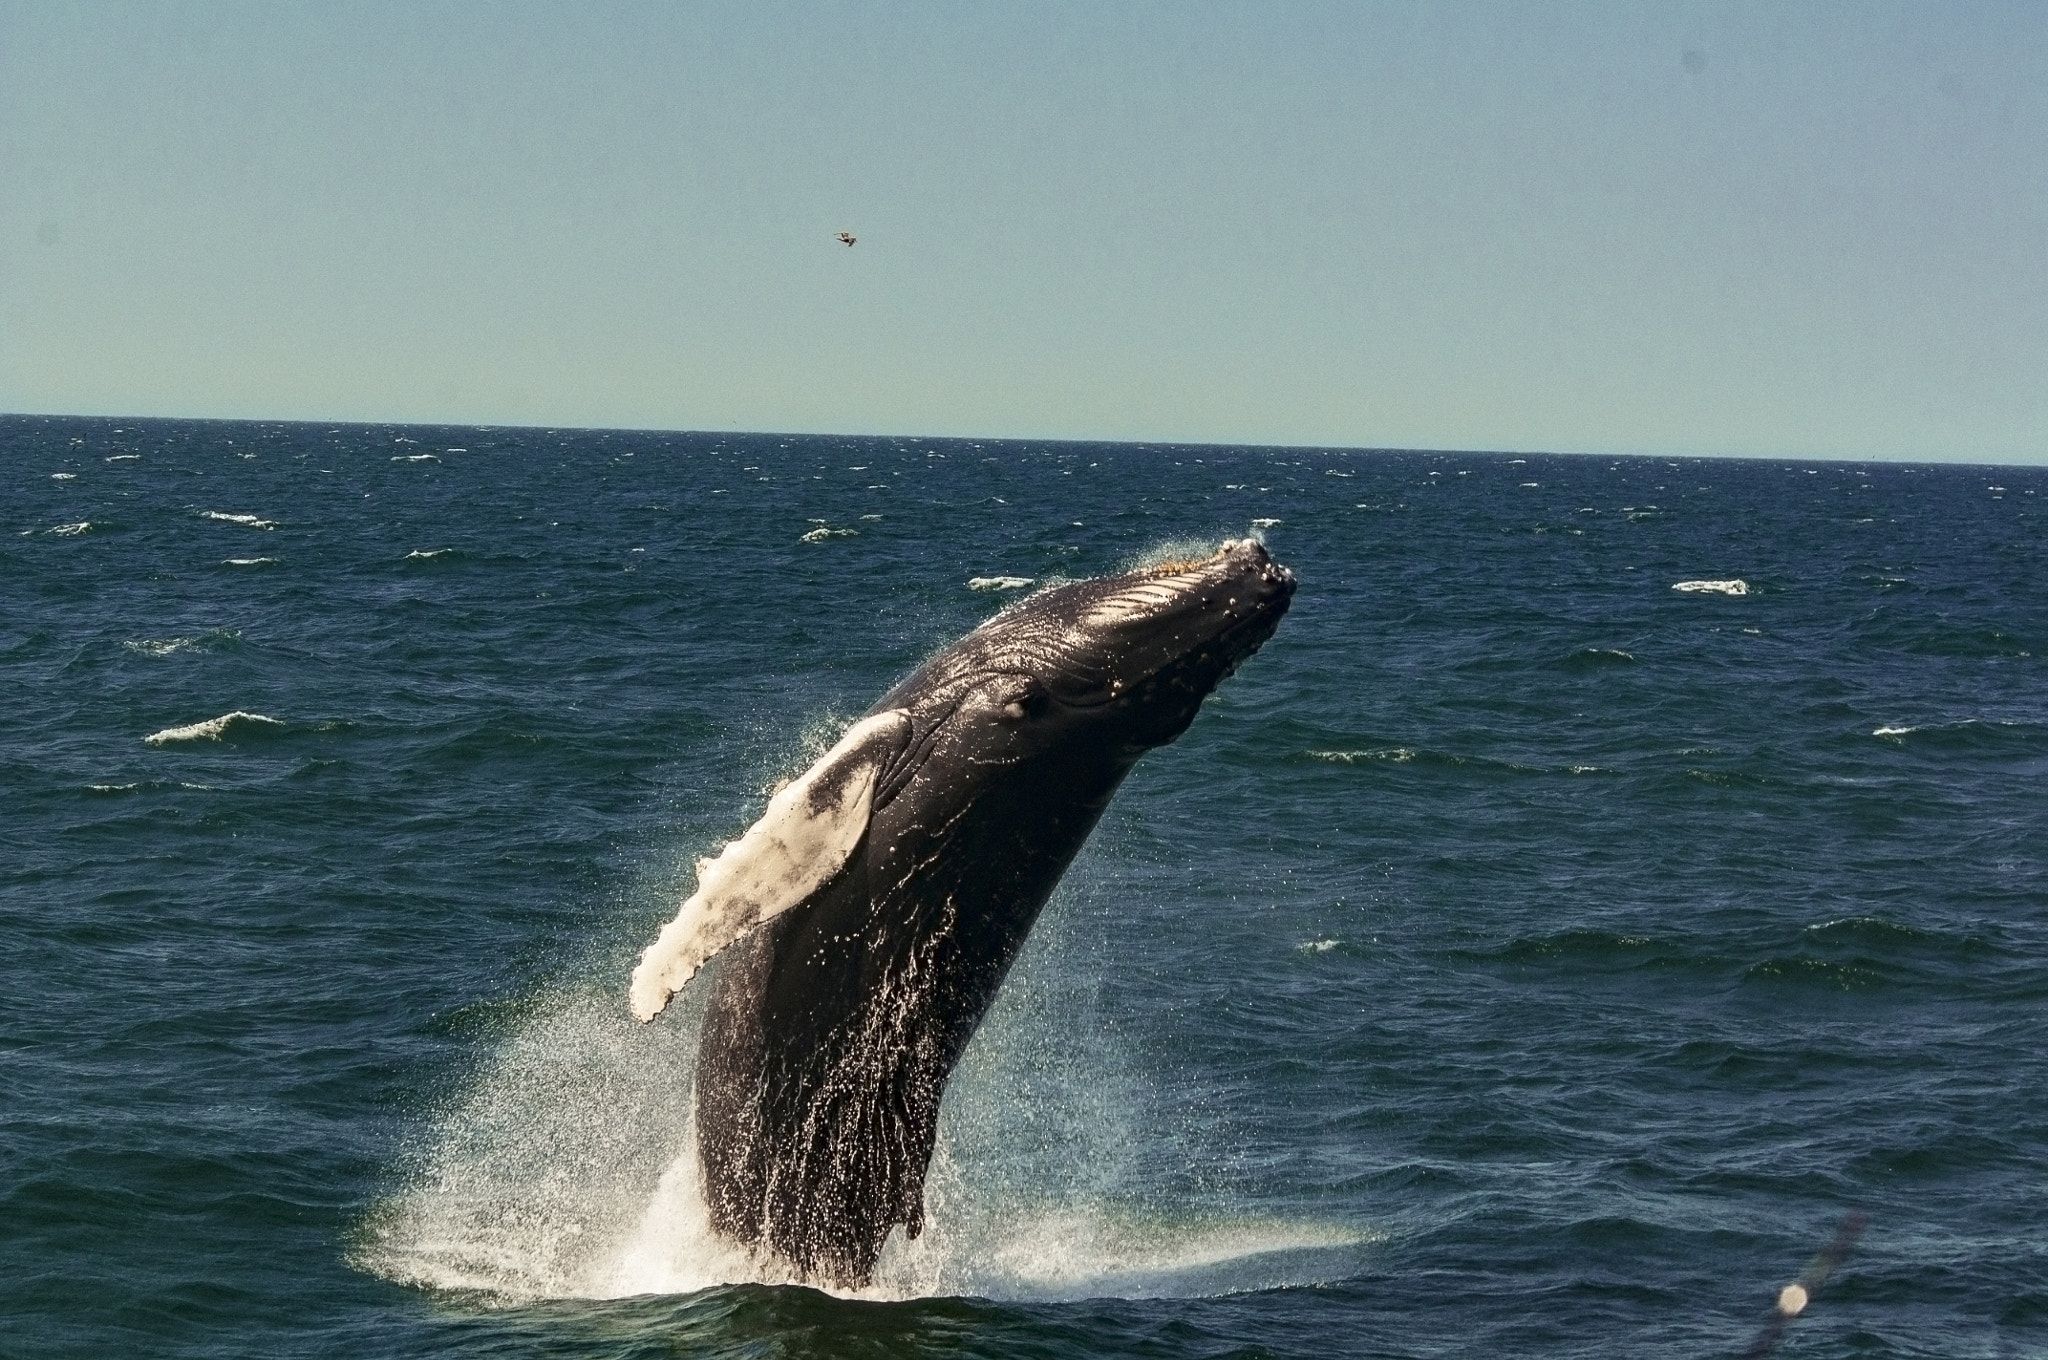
<point x="1129" y="658"/>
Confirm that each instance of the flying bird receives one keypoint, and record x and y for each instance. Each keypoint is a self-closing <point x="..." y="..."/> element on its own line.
<point x="847" y="237"/>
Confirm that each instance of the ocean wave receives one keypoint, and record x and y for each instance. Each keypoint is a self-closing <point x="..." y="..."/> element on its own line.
<point x="821" y="533"/>
<point x="432" y="554"/>
<point x="213" y="729"/>
<point x="1599" y="656"/>
<point x="69" y="530"/>
<point x="1732" y="586"/>
<point x="1266" y="523"/>
<point x="225" y="517"/>
<point x="420" y="457"/>
<point x="1827" y="974"/>
<point x="1399" y="755"/>
<point x="998" y="582"/>
<point x="209" y="640"/>
<point x="1476" y="766"/>
<point x="1585" y="946"/>
<point x="63" y="476"/>
<point x="248" y="561"/>
<point x="1956" y="733"/>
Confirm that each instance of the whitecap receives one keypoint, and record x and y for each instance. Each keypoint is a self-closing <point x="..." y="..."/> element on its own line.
<point x="70" y="530"/>
<point x="417" y="457"/>
<point x="1265" y="523"/>
<point x="429" y="554"/>
<point x="1318" y="946"/>
<point x="63" y="476"/>
<point x="1399" y="755"/>
<point x="124" y="458"/>
<point x="212" y="637"/>
<point x="253" y="521"/>
<point x="1890" y="731"/>
<point x="248" y="561"/>
<point x="1728" y="587"/>
<point x="213" y="729"/>
<point x="998" y="582"/>
<point x="821" y="533"/>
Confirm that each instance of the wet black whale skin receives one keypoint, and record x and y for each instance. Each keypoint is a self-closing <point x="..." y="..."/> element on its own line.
<point x="831" y="1030"/>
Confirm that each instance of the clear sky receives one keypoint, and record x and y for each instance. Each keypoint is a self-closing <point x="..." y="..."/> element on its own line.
<point x="1772" y="228"/>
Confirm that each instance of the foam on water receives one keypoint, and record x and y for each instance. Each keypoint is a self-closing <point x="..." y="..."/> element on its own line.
<point x="1705" y="587"/>
<point x="70" y="530"/>
<point x="569" y="1170"/>
<point x="249" y="561"/>
<point x="252" y="521"/>
<point x="206" y="641"/>
<point x="213" y="729"/>
<point x="998" y="582"/>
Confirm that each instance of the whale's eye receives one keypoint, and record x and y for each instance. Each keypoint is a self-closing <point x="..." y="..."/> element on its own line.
<point x="1023" y="701"/>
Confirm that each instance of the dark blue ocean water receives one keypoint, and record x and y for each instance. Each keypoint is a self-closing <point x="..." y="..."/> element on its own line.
<point x="1520" y="957"/>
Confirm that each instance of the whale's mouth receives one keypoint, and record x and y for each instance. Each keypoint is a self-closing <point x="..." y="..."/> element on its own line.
<point x="1166" y="635"/>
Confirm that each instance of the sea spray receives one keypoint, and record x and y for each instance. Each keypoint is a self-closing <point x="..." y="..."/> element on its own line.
<point x="568" y="1169"/>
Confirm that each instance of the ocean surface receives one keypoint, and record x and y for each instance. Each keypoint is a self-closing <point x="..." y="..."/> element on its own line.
<point x="1614" y="874"/>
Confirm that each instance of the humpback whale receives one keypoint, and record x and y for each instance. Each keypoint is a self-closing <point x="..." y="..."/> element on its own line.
<point x="868" y="917"/>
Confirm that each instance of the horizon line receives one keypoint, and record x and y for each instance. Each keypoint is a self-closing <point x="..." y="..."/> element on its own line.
<point x="1029" y="439"/>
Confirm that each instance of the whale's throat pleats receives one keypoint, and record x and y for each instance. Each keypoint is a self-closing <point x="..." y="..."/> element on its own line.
<point x="832" y="1030"/>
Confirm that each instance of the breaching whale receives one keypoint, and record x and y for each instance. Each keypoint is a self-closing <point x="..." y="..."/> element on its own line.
<point x="875" y="907"/>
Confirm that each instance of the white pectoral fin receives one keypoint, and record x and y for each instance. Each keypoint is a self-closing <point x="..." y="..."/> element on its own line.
<point x="805" y="837"/>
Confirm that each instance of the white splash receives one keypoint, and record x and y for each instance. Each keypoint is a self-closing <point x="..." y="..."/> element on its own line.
<point x="821" y="533"/>
<point x="70" y="530"/>
<point x="63" y="476"/>
<point x="568" y="1169"/>
<point x="213" y="729"/>
<point x="429" y="554"/>
<point x="1728" y="587"/>
<point x="998" y="582"/>
<point x="1890" y="731"/>
<point x="252" y="521"/>
<point x="249" y="562"/>
<point x="1266" y="523"/>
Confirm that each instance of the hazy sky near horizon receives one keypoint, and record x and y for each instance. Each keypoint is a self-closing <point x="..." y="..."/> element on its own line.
<point x="1769" y="228"/>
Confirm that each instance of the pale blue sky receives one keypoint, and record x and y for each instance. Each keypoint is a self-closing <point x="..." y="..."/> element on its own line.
<point x="1733" y="228"/>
